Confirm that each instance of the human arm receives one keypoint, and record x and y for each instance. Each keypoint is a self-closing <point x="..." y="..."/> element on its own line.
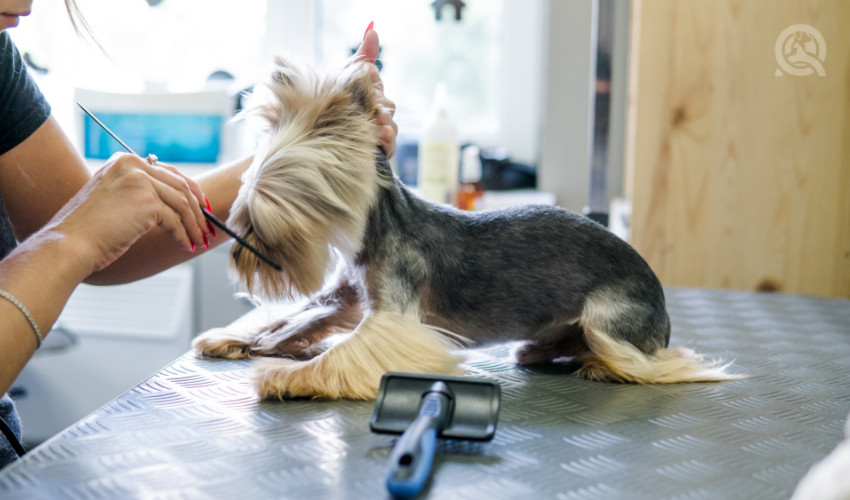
<point x="120" y="203"/>
<point x="156" y="251"/>
<point x="38" y="177"/>
<point x="43" y="293"/>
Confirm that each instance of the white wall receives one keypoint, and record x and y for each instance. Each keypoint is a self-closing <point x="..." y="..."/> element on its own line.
<point x="522" y="78"/>
<point x="290" y="29"/>
<point x="567" y="105"/>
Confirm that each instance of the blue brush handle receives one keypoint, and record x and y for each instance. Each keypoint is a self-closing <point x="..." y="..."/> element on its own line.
<point x="411" y="459"/>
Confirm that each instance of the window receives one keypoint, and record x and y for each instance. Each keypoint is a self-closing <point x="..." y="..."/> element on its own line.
<point x="418" y="52"/>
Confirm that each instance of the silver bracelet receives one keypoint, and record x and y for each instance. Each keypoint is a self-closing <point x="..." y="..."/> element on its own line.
<point x="11" y="298"/>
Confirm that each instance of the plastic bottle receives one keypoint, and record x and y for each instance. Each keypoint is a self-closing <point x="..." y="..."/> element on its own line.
<point x="471" y="188"/>
<point x="439" y="153"/>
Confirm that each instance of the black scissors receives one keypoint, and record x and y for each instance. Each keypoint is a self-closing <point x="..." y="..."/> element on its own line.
<point x="212" y="218"/>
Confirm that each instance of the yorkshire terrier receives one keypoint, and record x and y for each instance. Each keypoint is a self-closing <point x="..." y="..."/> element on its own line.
<point x="415" y="280"/>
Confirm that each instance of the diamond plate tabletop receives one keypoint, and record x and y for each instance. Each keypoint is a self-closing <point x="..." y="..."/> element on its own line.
<point x="196" y="429"/>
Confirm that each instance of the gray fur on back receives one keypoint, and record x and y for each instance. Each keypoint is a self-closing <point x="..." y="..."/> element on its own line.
<point x="516" y="273"/>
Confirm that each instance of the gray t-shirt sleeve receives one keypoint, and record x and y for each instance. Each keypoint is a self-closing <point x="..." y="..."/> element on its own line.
<point x="22" y="106"/>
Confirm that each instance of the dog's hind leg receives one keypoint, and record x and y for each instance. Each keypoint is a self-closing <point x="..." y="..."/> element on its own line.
<point x="564" y="341"/>
<point x="352" y="369"/>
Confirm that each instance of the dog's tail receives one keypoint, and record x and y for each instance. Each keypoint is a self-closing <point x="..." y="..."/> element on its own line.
<point x="610" y="319"/>
<point x="615" y="360"/>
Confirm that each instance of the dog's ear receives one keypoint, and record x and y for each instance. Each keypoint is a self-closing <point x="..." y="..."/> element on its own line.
<point x="284" y="71"/>
<point x="359" y="88"/>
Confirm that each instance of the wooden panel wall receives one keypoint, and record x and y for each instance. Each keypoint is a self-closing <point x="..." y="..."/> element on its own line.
<point x="739" y="178"/>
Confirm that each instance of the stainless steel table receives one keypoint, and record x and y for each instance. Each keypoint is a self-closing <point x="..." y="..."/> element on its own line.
<point x="196" y="430"/>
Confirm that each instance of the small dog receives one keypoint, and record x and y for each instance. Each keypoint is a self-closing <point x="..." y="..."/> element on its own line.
<point x="414" y="279"/>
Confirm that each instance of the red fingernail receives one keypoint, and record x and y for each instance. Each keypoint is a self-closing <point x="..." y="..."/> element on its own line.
<point x="206" y="243"/>
<point x="209" y="210"/>
<point x="192" y="248"/>
<point x="369" y="28"/>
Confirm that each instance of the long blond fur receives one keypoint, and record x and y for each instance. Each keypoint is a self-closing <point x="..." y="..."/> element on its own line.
<point x="353" y="368"/>
<point x="310" y="186"/>
<point x="616" y="360"/>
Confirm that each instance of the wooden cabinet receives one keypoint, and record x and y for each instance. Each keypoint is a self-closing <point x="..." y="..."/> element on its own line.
<point x="738" y="171"/>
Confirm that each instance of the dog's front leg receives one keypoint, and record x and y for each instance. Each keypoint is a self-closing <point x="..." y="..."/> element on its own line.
<point x="297" y="335"/>
<point x="336" y="310"/>
<point x="352" y="369"/>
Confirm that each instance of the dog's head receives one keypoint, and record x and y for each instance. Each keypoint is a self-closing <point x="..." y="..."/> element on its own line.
<point x="312" y="181"/>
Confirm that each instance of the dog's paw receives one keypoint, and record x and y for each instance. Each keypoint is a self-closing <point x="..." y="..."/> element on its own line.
<point x="222" y="343"/>
<point x="279" y="378"/>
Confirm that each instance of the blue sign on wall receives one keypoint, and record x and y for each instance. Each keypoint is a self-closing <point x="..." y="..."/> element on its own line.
<point x="173" y="138"/>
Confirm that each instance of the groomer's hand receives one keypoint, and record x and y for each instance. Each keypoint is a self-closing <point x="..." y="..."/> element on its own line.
<point x="124" y="200"/>
<point x="368" y="52"/>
